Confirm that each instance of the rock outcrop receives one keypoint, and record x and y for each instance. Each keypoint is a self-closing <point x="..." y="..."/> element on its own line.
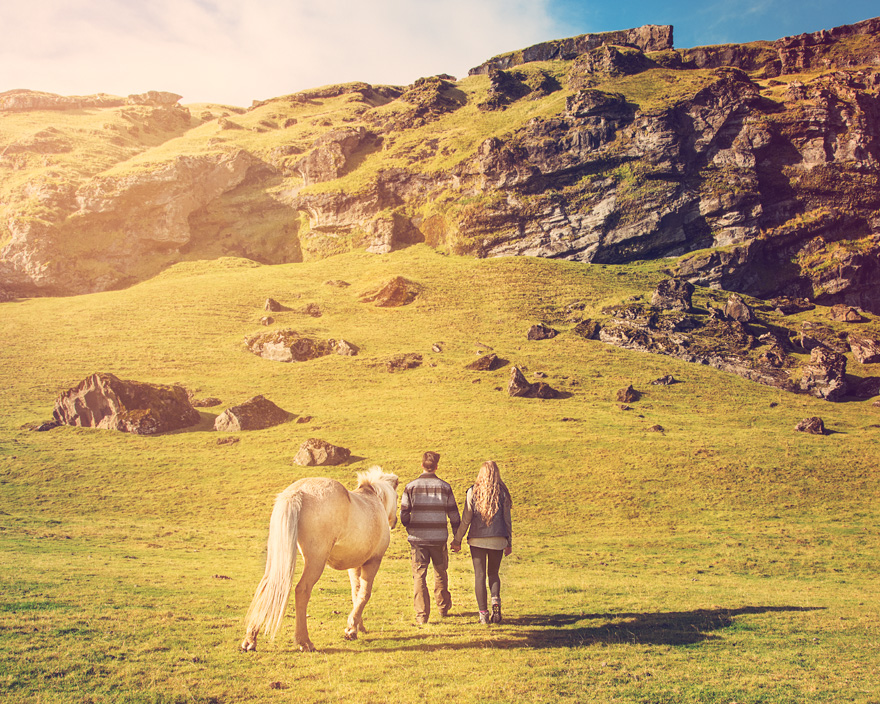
<point x="256" y="413"/>
<point x="519" y="386"/>
<point x="104" y="401"/>
<point x="289" y="346"/>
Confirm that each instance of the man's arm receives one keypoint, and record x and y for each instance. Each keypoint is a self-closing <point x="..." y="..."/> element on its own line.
<point x="405" y="508"/>
<point x="452" y="512"/>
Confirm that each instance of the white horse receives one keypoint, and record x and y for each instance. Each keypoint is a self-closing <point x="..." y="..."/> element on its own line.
<point x="348" y="530"/>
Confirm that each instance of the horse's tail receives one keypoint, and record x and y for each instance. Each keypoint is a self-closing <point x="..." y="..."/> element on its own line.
<point x="270" y="599"/>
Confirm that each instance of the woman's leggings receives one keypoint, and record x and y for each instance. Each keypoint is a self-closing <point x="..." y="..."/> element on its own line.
<point x="483" y="559"/>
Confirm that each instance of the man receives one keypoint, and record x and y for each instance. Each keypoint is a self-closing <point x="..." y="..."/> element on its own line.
<point x="424" y="507"/>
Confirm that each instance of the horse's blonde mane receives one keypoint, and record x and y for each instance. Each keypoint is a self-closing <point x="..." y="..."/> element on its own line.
<point x="373" y="475"/>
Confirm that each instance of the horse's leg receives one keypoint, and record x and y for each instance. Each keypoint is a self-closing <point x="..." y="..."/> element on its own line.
<point x="367" y="573"/>
<point x="312" y="570"/>
<point x="354" y="575"/>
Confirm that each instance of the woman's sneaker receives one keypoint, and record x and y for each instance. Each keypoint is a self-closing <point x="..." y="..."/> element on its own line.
<point x="496" y="613"/>
<point x="484" y="618"/>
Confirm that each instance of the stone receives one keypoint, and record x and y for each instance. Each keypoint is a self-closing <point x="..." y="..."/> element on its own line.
<point x="813" y="425"/>
<point x="673" y="294"/>
<point x="273" y="306"/>
<point x="825" y="375"/>
<point x="337" y="283"/>
<point x="394" y="293"/>
<point x="400" y="362"/>
<point x="104" y="401"/>
<point x="267" y="320"/>
<point x="289" y="346"/>
<point x="665" y="380"/>
<point x="486" y="363"/>
<point x="587" y="329"/>
<point x="207" y="402"/>
<point x="256" y="413"/>
<point x="311" y="309"/>
<point x="628" y="395"/>
<point x="314" y="452"/>
<point x="541" y="332"/>
<point x="228" y="440"/>
<point x="865" y="349"/>
<point x="867" y="387"/>
<point x="737" y="309"/>
<point x="519" y="386"/>
<point x="845" y="314"/>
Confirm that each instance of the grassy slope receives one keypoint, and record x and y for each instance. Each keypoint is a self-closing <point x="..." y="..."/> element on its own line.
<point x="727" y="558"/>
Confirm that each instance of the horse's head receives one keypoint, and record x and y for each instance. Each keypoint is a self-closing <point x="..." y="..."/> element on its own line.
<point x="385" y="486"/>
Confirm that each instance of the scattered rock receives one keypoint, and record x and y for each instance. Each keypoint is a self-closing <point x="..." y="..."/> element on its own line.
<point x="311" y="309"/>
<point x="486" y="363"/>
<point x="624" y="407"/>
<point x="865" y="349"/>
<point x="44" y="426"/>
<point x="105" y="401"/>
<point x="397" y="292"/>
<point x="436" y="348"/>
<point x="256" y="413"/>
<point x="314" y="452"/>
<point x="665" y="380"/>
<point x="673" y="294"/>
<point x="628" y="395"/>
<point x="813" y="425"/>
<point x="541" y="332"/>
<point x="655" y="429"/>
<point x="289" y="346"/>
<point x="825" y="375"/>
<point x="866" y="388"/>
<point x="338" y="283"/>
<point x="737" y="309"/>
<point x="267" y="320"/>
<point x="207" y="402"/>
<point x="228" y="440"/>
<point x="587" y="329"/>
<point x="812" y="335"/>
<point x="400" y="362"/>
<point x="304" y="419"/>
<point x="845" y="314"/>
<point x="518" y="386"/>
<point x="790" y="306"/>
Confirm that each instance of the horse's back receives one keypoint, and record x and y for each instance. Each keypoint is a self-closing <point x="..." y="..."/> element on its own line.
<point x="324" y="510"/>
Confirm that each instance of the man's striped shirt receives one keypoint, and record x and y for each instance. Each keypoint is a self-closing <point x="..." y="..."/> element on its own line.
<point x="424" y="507"/>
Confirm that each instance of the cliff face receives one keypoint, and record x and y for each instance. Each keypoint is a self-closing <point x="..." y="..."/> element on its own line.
<point x="751" y="167"/>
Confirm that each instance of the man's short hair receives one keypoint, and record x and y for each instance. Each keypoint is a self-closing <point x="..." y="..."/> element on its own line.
<point x="430" y="460"/>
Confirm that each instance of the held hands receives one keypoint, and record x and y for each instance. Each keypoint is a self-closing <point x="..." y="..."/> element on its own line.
<point x="508" y="550"/>
<point x="455" y="547"/>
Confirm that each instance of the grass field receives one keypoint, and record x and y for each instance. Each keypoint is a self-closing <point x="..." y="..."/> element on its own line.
<point x="725" y="559"/>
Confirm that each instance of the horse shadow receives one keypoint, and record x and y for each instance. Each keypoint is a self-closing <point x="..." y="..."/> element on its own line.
<point x="675" y="628"/>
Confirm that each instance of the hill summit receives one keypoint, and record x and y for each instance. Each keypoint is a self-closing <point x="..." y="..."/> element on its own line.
<point x="752" y="167"/>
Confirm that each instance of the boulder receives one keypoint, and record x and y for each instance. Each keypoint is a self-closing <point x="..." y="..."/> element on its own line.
<point x="289" y="346"/>
<point x="825" y="375"/>
<point x="207" y="402"/>
<point x="813" y="425"/>
<point x="486" y="363"/>
<point x="314" y="452"/>
<point x="737" y="309"/>
<point x="814" y="334"/>
<point x="865" y="349"/>
<point x="273" y="306"/>
<point x="104" y="401"/>
<point x="541" y="332"/>
<point x="664" y="381"/>
<point x="254" y="414"/>
<point x="673" y="294"/>
<point x="396" y="292"/>
<point x="267" y="320"/>
<point x="519" y="386"/>
<point x="628" y="395"/>
<point x="845" y="314"/>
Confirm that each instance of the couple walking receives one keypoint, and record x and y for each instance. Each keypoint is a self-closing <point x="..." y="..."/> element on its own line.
<point x="426" y="504"/>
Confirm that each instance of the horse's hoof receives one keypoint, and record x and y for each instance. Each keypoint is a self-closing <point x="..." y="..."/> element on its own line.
<point x="350" y="635"/>
<point x="307" y="647"/>
<point x="247" y="645"/>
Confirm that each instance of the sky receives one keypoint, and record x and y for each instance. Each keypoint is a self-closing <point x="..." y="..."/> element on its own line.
<point x="237" y="51"/>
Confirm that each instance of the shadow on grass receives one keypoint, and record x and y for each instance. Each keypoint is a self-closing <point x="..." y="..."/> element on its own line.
<point x="563" y="631"/>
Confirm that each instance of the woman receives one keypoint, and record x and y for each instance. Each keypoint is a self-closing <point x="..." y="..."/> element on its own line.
<point x="487" y="514"/>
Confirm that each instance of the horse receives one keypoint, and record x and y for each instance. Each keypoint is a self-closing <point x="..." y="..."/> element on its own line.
<point x="348" y="530"/>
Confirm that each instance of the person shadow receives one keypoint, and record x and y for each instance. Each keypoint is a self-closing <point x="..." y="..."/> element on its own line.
<point x="564" y="630"/>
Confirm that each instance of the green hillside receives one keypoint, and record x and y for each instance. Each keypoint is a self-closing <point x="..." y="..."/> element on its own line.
<point x="722" y="557"/>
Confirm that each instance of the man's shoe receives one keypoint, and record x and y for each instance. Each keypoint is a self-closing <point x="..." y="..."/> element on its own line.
<point x="421" y="621"/>
<point x="496" y="613"/>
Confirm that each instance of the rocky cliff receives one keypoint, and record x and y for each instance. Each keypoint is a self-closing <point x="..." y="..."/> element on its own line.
<point x="750" y="167"/>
